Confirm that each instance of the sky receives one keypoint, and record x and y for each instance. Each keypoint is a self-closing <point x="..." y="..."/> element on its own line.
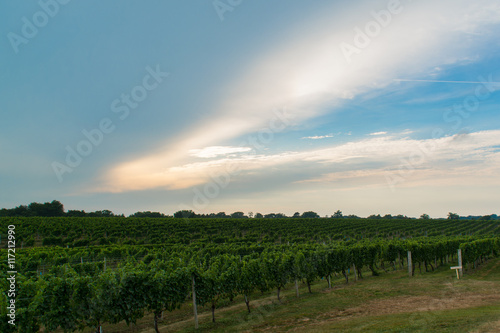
<point x="368" y="107"/>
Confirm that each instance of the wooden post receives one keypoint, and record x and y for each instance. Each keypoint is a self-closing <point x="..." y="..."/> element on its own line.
<point x="460" y="262"/>
<point x="409" y="264"/>
<point x="456" y="268"/>
<point x="194" y="307"/>
<point x="355" y="272"/>
<point x="81" y="260"/>
<point x="296" y="288"/>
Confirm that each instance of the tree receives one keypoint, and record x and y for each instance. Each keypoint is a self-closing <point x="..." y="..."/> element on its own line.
<point x="296" y="214"/>
<point x="278" y="269"/>
<point x="27" y="314"/>
<point x="337" y="214"/>
<point x="168" y="289"/>
<point x="148" y="214"/>
<point x="424" y="217"/>
<point x="76" y="213"/>
<point x="453" y="216"/>
<point x="258" y="216"/>
<point x="217" y="281"/>
<point x="55" y="303"/>
<point x="238" y="215"/>
<point x="249" y="277"/>
<point x="311" y="268"/>
<point x="97" y="298"/>
<point x="101" y="213"/>
<point x="48" y="209"/>
<point x="132" y="292"/>
<point x="310" y="214"/>
<point x="184" y="214"/>
<point x="298" y="269"/>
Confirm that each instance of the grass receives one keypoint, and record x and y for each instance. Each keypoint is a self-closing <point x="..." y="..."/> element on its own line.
<point x="392" y="302"/>
<point x="461" y="320"/>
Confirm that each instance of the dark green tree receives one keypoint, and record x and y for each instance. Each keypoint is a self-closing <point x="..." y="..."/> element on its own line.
<point x="337" y="214"/>
<point x="184" y="214"/>
<point x="310" y="214"/>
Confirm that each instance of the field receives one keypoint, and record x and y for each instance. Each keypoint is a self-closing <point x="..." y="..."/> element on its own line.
<point x="137" y="274"/>
<point x="430" y="302"/>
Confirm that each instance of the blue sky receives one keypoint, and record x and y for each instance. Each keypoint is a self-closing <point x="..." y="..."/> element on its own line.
<point x="387" y="107"/>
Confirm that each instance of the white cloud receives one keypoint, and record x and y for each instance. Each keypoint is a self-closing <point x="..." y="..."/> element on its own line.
<point x="309" y="72"/>
<point x="214" y="151"/>
<point x="318" y="137"/>
<point x="435" y="160"/>
<point x="378" y="133"/>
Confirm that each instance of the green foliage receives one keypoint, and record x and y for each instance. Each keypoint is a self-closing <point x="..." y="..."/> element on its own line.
<point x="68" y="288"/>
<point x="184" y="214"/>
<point x="310" y="214"/>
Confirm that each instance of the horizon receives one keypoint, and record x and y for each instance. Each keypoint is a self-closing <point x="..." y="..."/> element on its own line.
<point x="378" y="106"/>
<point x="245" y="215"/>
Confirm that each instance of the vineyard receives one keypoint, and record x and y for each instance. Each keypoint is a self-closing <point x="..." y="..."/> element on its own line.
<point x="76" y="273"/>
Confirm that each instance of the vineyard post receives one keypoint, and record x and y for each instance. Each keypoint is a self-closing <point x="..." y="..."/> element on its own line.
<point x="459" y="252"/>
<point x="296" y="288"/>
<point x="194" y="307"/>
<point x="409" y="264"/>
<point x="355" y="272"/>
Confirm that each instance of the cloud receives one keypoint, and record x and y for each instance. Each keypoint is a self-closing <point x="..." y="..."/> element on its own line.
<point x="308" y="75"/>
<point x="357" y="163"/>
<point x="378" y="133"/>
<point x="214" y="151"/>
<point x="318" y="137"/>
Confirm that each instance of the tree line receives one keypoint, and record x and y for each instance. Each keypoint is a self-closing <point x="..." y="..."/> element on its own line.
<point x="56" y="208"/>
